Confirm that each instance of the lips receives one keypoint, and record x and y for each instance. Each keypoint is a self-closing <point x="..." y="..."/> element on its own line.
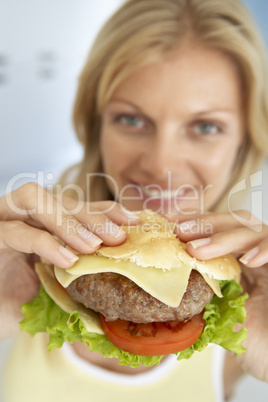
<point x="168" y="199"/>
<point x="154" y="191"/>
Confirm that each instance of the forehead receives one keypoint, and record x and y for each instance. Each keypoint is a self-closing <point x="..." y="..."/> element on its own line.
<point x="190" y="75"/>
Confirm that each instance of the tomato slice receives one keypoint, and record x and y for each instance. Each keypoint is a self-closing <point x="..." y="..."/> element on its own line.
<point x="153" y="339"/>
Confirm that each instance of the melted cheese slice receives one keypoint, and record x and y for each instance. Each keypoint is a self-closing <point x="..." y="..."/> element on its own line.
<point x="213" y="283"/>
<point x="89" y="318"/>
<point x="168" y="286"/>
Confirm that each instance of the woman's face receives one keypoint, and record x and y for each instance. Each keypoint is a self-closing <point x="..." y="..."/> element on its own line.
<point x="171" y="132"/>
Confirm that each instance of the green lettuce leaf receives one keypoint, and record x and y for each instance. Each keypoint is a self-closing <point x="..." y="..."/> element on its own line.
<point x="221" y="315"/>
<point x="43" y="315"/>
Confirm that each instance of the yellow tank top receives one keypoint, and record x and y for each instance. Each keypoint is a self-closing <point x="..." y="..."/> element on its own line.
<point x="34" y="375"/>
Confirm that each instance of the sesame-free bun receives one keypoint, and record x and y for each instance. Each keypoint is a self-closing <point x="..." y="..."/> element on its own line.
<point x="154" y="244"/>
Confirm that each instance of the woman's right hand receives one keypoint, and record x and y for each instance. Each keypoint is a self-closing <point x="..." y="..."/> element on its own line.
<point x="30" y="218"/>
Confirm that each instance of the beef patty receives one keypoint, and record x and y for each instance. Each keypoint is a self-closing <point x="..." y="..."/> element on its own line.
<point x="116" y="296"/>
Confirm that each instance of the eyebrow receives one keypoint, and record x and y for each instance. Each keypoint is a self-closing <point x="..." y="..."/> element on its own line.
<point x="216" y="110"/>
<point x="118" y="100"/>
<point x="196" y="113"/>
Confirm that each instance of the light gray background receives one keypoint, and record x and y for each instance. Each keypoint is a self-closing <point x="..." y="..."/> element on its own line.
<point x="43" y="45"/>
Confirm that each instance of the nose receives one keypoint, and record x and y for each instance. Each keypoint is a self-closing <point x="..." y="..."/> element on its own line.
<point x="163" y="154"/>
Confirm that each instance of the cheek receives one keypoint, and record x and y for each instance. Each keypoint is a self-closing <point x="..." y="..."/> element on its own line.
<point x="216" y="171"/>
<point x="116" y="155"/>
<point x="217" y="165"/>
<point x="105" y="146"/>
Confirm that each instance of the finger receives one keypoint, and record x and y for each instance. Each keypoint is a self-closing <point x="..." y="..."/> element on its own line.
<point x="101" y="228"/>
<point x="113" y="210"/>
<point x="39" y="208"/>
<point x="58" y="221"/>
<point x="31" y="199"/>
<point x="102" y="219"/>
<point x="256" y="256"/>
<point x="202" y="225"/>
<point x="19" y="236"/>
<point x="237" y="241"/>
<point x="22" y="202"/>
<point x="105" y="219"/>
<point x="85" y="237"/>
<point x="206" y="225"/>
<point x="241" y="217"/>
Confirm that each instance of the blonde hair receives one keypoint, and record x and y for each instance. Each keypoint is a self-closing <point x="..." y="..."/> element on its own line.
<point x="143" y="32"/>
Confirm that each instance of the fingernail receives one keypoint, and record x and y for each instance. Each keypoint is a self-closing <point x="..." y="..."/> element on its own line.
<point x="130" y="214"/>
<point x="246" y="258"/>
<point x="200" y="242"/>
<point x="68" y="255"/>
<point x="88" y="237"/>
<point x="113" y="230"/>
<point x="187" y="227"/>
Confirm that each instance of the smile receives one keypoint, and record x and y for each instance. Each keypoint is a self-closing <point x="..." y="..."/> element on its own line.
<point x="165" y="194"/>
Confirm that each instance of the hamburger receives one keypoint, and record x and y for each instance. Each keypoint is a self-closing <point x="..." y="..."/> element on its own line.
<point x="141" y="300"/>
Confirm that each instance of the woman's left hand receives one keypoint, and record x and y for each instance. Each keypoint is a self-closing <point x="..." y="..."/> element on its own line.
<point x="213" y="235"/>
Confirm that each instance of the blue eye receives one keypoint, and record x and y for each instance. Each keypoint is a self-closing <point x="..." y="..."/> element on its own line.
<point x="206" y="129"/>
<point x="129" y="120"/>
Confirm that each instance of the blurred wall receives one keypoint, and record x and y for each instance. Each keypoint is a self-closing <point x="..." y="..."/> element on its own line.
<point x="43" y="45"/>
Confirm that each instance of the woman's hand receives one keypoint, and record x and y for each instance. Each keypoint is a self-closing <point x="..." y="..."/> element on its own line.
<point x="30" y="218"/>
<point x="213" y="235"/>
